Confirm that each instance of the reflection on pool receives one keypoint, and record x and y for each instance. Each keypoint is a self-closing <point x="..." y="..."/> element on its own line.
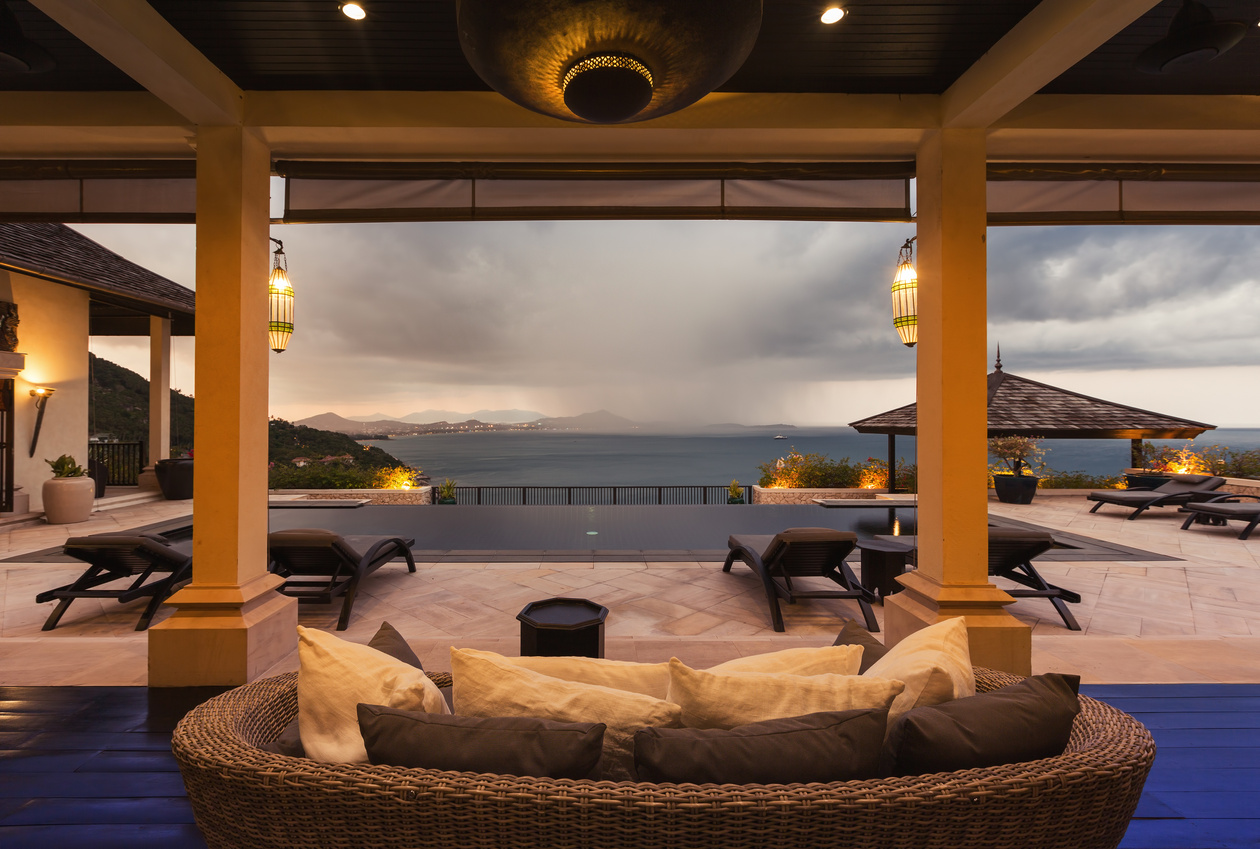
<point x="622" y="528"/>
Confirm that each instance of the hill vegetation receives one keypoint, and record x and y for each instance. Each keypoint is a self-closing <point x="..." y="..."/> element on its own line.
<point x="118" y="407"/>
<point x="328" y="460"/>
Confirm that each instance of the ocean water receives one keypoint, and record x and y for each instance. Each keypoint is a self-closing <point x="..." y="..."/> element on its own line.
<point x="559" y="458"/>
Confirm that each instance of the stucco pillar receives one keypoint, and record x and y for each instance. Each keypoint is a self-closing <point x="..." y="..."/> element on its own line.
<point x="952" y="575"/>
<point x="159" y="388"/>
<point x="230" y="625"/>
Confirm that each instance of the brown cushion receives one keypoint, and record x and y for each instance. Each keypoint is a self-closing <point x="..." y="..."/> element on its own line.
<point x="387" y="640"/>
<point x="1020" y="722"/>
<point x="507" y="745"/>
<point x="853" y="634"/>
<point x="817" y="747"/>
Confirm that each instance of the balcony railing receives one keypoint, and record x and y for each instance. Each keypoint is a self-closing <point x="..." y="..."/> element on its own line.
<point x="122" y="461"/>
<point x="589" y="496"/>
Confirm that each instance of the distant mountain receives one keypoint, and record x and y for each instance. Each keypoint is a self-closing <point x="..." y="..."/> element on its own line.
<point x="375" y="417"/>
<point x="599" y="421"/>
<point x="491" y="416"/>
<point x="333" y="422"/>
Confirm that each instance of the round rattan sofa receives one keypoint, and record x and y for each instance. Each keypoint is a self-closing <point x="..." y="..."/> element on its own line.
<point x="244" y="797"/>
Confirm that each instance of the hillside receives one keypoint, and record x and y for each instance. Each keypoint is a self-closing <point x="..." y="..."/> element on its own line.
<point x="287" y="440"/>
<point x="118" y="406"/>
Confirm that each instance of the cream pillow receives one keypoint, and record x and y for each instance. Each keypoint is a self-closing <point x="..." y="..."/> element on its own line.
<point x="934" y="663"/>
<point x="834" y="660"/>
<point x="486" y="684"/>
<point x="650" y="679"/>
<point x="724" y="700"/>
<point x="334" y="676"/>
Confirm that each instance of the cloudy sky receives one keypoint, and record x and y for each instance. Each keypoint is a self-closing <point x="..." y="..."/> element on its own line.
<point x="703" y="322"/>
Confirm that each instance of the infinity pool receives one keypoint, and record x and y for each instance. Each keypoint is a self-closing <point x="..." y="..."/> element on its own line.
<point x="532" y="529"/>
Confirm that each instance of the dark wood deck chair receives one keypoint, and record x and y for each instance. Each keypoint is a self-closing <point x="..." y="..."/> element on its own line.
<point x="797" y="553"/>
<point x="1011" y="552"/>
<point x="1224" y="507"/>
<point x="319" y="565"/>
<point x="155" y="567"/>
<point x="1182" y="489"/>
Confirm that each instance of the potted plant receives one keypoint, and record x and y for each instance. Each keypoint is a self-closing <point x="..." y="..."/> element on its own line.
<point x="446" y="492"/>
<point x="1017" y="453"/>
<point x="735" y="493"/>
<point x="69" y="495"/>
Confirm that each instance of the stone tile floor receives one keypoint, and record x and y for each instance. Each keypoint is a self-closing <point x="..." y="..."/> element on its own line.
<point x="1169" y="621"/>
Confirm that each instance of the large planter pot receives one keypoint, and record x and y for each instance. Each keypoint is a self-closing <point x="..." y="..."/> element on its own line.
<point x="68" y="500"/>
<point x="1015" y="489"/>
<point x="175" y="478"/>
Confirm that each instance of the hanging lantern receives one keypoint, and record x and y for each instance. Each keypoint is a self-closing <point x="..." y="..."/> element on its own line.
<point x="279" y="301"/>
<point x="905" y="296"/>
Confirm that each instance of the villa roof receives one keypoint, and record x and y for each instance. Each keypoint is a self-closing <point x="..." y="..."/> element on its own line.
<point x="123" y="294"/>
<point x="1022" y="407"/>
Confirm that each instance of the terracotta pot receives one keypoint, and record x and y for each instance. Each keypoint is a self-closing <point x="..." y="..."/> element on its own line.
<point x="68" y="500"/>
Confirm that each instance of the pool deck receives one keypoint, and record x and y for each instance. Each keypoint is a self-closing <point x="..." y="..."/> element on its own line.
<point x="1195" y="619"/>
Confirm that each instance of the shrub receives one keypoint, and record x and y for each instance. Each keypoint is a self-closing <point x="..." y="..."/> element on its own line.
<point x="874" y="475"/>
<point x="1016" y="452"/>
<point x="809" y="471"/>
<point x="1051" y="479"/>
<point x="338" y="476"/>
<point x="1208" y="460"/>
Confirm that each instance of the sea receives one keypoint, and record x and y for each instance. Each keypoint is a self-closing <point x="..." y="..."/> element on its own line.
<point x="571" y="458"/>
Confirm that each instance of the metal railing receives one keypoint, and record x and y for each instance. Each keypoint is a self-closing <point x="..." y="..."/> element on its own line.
<point x="123" y="461"/>
<point x="589" y="496"/>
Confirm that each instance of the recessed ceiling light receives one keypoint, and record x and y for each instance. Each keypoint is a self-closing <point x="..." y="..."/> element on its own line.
<point x="833" y="14"/>
<point x="354" y="11"/>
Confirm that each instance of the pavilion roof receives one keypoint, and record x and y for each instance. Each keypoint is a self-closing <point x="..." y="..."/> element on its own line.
<point x="1019" y="406"/>
<point x="123" y="294"/>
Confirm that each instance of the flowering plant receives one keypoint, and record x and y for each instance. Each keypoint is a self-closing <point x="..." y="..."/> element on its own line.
<point x="1017" y="452"/>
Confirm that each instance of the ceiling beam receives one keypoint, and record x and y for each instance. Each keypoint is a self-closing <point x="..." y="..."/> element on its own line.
<point x="140" y="42"/>
<point x="1052" y="38"/>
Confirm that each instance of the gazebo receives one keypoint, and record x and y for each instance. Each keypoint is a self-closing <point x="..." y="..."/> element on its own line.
<point x="1018" y="406"/>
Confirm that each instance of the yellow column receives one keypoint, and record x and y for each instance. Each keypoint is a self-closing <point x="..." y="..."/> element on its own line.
<point x="159" y="389"/>
<point x="230" y="624"/>
<point x="952" y="575"/>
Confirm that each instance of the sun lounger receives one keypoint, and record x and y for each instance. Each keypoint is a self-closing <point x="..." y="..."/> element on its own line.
<point x="1011" y="552"/>
<point x="1225" y="507"/>
<point x="319" y="565"/>
<point x="155" y="564"/>
<point x="801" y="552"/>
<point x="1182" y="489"/>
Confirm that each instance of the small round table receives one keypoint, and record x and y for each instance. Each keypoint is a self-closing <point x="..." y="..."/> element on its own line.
<point x="882" y="561"/>
<point x="563" y="627"/>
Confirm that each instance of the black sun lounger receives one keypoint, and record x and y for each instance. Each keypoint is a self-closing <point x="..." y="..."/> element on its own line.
<point x="801" y="552"/>
<point x="1182" y="489"/>
<point x="1223" y="508"/>
<point x="1011" y="552"/>
<point x="156" y="566"/>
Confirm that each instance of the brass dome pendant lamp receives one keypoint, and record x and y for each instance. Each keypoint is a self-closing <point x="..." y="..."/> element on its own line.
<point x="606" y="61"/>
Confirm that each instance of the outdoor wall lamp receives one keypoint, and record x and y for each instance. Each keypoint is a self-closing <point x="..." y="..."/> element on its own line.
<point x="279" y="301"/>
<point x="353" y="11"/>
<point x="606" y="61"/>
<point x="905" y="296"/>
<point x="41" y="394"/>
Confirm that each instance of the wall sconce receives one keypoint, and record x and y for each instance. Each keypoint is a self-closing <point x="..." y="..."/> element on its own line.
<point x="41" y="394"/>
<point x="353" y="11"/>
<point x="905" y="296"/>
<point x="279" y="301"/>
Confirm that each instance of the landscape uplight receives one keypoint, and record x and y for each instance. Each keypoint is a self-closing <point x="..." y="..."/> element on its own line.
<point x="905" y="296"/>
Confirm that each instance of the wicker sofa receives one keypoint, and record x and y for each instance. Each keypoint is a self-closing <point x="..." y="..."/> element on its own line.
<point x="245" y="797"/>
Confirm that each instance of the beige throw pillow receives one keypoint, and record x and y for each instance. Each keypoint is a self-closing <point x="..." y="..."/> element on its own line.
<point x="934" y="663"/>
<point x="334" y="676"/>
<point x="486" y="684"/>
<point x="833" y="660"/>
<point x="649" y="679"/>
<point x="725" y="700"/>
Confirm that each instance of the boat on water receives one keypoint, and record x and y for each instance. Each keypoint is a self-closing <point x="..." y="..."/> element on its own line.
<point x="780" y="436"/>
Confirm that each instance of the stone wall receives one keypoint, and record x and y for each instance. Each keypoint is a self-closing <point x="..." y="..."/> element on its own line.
<point x="1241" y="486"/>
<point x="762" y="495"/>
<point x="419" y="495"/>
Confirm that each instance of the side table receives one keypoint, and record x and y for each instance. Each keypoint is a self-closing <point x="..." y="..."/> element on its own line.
<point x="882" y="561"/>
<point x="563" y="627"/>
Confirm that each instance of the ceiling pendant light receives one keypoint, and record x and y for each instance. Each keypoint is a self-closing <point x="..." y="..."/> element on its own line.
<point x="18" y="54"/>
<point x="905" y="296"/>
<point x="279" y="301"/>
<point x="606" y="61"/>
<point x="1194" y="37"/>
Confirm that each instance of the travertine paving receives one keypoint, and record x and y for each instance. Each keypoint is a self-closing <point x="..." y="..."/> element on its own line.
<point x="1190" y="620"/>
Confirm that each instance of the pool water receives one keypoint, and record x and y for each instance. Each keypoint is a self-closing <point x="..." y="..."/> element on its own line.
<point x="577" y="529"/>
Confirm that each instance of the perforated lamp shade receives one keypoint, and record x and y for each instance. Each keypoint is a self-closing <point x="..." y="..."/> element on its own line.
<point x="279" y="309"/>
<point x="905" y="297"/>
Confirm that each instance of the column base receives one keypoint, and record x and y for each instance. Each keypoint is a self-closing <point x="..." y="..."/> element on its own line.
<point x="997" y="639"/>
<point x="222" y="635"/>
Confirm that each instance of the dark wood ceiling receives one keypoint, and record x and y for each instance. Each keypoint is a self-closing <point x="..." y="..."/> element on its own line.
<point x="883" y="46"/>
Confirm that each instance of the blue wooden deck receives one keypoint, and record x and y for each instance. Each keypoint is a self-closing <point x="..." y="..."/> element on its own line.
<point x="91" y="768"/>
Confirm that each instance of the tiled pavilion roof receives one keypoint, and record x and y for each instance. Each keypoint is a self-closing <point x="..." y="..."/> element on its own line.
<point x="121" y="291"/>
<point x="1019" y="406"/>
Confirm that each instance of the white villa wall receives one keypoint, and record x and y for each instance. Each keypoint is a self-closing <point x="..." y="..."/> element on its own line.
<point x="53" y="334"/>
